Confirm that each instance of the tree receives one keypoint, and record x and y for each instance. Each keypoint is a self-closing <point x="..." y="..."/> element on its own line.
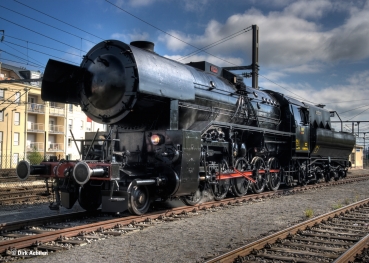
<point x="34" y="157"/>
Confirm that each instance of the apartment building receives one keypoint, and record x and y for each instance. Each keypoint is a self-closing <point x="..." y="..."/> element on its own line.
<point x="28" y="124"/>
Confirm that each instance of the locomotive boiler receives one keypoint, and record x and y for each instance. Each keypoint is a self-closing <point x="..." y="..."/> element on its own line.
<point x="177" y="130"/>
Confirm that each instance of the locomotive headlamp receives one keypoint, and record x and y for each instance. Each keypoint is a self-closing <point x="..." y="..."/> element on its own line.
<point x="156" y="139"/>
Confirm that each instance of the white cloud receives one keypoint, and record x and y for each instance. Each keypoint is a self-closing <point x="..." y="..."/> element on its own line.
<point x="361" y="78"/>
<point x="195" y="5"/>
<point x="351" y="40"/>
<point x="308" y="9"/>
<point x="134" y="3"/>
<point x="287" y="37"/>
<point x="176" y="40"/>
<point x="273" y="76"/>
<point x="342" y="98"/>
<point x="305" y="68"/>
<point x="135" y="35"/>
<point x="137" y="3"/>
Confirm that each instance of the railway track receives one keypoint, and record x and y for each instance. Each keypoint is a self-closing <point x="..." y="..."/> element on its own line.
<point x="14" y="179"/>
<point x="13" y="191"/>
<point x="61" y="232"/>
<point x="336" y="236"/>
<point x="19" y="194"/>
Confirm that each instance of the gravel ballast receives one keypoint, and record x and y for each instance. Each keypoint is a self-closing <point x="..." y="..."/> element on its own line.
<point x="211" y="233"/>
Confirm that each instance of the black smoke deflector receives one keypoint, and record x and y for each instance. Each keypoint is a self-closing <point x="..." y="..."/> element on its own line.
<point x="61" y="82"/>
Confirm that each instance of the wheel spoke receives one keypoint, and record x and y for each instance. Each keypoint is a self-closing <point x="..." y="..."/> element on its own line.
<point x="274" y="178"/>
<point x="240" y="185"/>
<point x="260" y="178"/>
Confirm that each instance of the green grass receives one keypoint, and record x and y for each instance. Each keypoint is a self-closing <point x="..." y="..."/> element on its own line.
<point x="309" y="212"/>
<point x="337" y="206"/>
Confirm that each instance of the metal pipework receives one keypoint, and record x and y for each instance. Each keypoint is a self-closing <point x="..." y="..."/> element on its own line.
<point x="140" y="182"/>
<point x="145" y="181"/>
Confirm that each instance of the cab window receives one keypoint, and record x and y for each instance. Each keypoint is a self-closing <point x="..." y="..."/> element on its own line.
<point x="300" y="114"/>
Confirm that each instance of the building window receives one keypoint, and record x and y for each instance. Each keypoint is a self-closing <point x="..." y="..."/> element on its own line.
<point x="15" y="158"/>
<point x="88" y="126"/>
<point x="69" y="142"/>
<point x="31" y="99"/>
<point x="17" y="98"/>
<point x="1" y="137"/>
<point x="16" y="138"/>
<point x="70" y="124"/>
<point x="1" y="116"/>
<point x="70" y="107"/>
<point x="81" y="125"/>
<point x="2" y="92"/>
<point x="16" y="118"/>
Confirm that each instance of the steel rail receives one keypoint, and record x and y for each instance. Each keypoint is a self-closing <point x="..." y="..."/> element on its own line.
<point x="350" y="255"/>
<point x="9" y="226"/>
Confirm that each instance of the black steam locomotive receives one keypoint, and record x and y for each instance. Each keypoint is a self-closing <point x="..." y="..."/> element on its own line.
<point x="178" y="130"/>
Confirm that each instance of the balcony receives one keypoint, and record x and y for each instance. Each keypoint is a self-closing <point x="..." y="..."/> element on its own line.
<point x="35" y="146"/>
<point x="57" y="111"/>
<point x="36" y="108"/>
<point x="56" y="128"/>
<point x="55" y="147"/>
<point x="35" y="127"/>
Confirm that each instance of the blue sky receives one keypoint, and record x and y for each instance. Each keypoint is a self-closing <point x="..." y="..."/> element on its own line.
<point x="315" y="50"/>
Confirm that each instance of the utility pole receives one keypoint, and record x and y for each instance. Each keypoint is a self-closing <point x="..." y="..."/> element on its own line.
<point x="11" y="139"/>
<point x="7" y="140"/>
<point x="364" y="147"/>
<point x="2" y="39"/>
<point x="254" y="67"/>
<point x="255" y="57"/>
<point x="358" y="129"/>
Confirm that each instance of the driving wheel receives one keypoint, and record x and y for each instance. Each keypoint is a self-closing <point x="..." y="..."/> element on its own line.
<point x="138" y="200"/>
<point x="259" y="175"/>
<point x="241" y="184"/>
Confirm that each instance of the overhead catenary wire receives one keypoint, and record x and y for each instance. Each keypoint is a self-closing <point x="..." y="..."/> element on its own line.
<point x="62" y="30"/>
<point x="169" y="34"/>
<point x="4" y="59"/>
<point x="344" y="101"/>
<point x="58" y="20"/>
<point x="61" y="42"/>
<point x="14" y="102"/>
<point x="28" y="63"/>
<point x="33" y="43"/>
<point x="36" y="62"/>
<point x="220" y="41"/>
<point x="359" y="113"/>
<point x="362" y="106"/>
<point x="298" y="96"/>
<point x="192" y="53"/>
<point x="47" y="53"/>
